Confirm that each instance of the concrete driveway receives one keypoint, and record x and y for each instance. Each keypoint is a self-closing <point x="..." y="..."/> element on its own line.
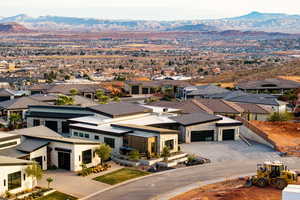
<point x="230" y="151"/>
<point x="78" y="186"/>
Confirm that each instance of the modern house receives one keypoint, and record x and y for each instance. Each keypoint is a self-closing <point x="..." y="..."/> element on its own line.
<point x="151" y="87"/>
<point x="86" y="90"/>
<point x="49" y="149"/>
<point x="197" y="127"/>
<point x="274" y="86"/>
<point x="17" y="105"/>
<point x="201" y="91"/>
<point x="13" y="177"/>
<point x="54" y="117"/>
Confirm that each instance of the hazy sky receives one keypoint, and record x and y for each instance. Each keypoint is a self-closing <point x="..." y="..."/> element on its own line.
<point x="146" y="9"/>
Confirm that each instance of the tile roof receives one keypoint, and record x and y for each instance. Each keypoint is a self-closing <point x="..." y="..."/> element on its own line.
<point x="20" y="103"/>
<point x="272" y="83"/>
<point x="253" y="108"/>
<point x="119" y="109"/>
<point x="196" y="118"/>
<point x="186" y="106"/>
<point x="218" y="106"/>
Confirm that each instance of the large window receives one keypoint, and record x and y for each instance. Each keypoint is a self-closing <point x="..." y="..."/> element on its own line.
<point x="110" y="142"/>
<point x="14" y="180"/>
<point x="36" y="122"/>
<point x="65" y="127"/>
<point x="87" y="156"/>
<point x="170" y="144"/>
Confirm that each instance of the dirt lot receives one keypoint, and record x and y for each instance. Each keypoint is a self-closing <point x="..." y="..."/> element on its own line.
<point x="286" y="135"/>
<point x="230" y="190"/>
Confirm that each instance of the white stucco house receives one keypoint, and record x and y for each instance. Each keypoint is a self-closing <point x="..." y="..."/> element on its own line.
<point x="13" y="178"/>
<point x="49" y="149"/>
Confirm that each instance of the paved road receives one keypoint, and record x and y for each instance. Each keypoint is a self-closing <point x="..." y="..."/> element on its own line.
<point x="153" y="187"/>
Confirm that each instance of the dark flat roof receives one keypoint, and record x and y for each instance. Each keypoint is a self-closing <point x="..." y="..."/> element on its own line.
<point x="119" y="109"/>
<point x="196" y="118"/>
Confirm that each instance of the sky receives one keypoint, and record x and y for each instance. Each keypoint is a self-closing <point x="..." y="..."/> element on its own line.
<point x="146" y="9"/>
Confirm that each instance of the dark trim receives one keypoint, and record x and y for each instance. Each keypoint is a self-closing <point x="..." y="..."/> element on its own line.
<point x="9" y="138"/>
<point x="145" y="129"/>
<point x="74" y="122"/>
<point x="118" y="115"/>
<point x="13" y="164"/>
<point x="68" y="142"/>
<point x="99" y="131"/>
<point x="53" y="115"/>
<point x="203" y="122"/>
<point x="229" y="124"/>
<point x="63" y="150"/>
<point x="59" y="107"/>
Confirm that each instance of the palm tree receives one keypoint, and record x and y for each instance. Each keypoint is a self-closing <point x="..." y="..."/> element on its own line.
<point x="64" y="100"/>
<point x="14" y="120"/>
<point x="49" y="181"/>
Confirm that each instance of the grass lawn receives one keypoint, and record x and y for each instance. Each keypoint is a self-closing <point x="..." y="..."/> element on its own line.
<point x="120" y="176"/>
<point x="57" y="196"/>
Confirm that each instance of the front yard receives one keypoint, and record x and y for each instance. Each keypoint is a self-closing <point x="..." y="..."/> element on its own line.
<point x="120" y="176"/>
<point x="57" y="196"/>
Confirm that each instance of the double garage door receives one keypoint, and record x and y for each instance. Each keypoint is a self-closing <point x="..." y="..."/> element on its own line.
<point x="208" y="135"/>
<point x="197" y="136"/>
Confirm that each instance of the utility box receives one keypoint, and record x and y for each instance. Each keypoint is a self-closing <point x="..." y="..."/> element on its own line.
<point x="291" y="192"/>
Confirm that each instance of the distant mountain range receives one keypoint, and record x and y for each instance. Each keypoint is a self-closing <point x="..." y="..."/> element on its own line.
<point x="13" y="28"/>
<point x="255" y="21"/>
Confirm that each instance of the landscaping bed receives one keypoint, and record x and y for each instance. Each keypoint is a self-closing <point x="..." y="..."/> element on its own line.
<point x="57" y="196"/>
<point x="120" y="176"/>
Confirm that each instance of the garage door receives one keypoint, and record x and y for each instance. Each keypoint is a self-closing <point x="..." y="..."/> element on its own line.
<point x="197" y="136"/>
<point x="228" y="134"/>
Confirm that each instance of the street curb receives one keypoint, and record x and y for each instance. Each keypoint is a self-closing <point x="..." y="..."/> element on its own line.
<point x="139" y="178"/>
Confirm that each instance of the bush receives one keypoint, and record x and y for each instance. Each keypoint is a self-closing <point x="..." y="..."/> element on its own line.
<point x="166" y="152"/>
<point x="280" y="117"/>
<point x="134" y="155"/>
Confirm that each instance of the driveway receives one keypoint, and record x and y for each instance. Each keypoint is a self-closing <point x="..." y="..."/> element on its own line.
<point x="70" y="183"/>
<point x="161" y="185"/>
<point x="230" y="151"/>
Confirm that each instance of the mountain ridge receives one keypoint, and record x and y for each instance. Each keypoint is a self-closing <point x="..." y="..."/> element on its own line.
<point x="254" y="21"/>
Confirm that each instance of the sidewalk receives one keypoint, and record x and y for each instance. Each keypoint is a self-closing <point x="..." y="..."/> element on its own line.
<point x="72" y="184"/>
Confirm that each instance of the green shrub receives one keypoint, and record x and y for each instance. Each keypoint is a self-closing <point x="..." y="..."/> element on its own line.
<point x="134" y="155"/>
<point x="280" y="117"/>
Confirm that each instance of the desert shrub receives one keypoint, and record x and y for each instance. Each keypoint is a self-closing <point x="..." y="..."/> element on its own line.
<point x="280" y="117"/>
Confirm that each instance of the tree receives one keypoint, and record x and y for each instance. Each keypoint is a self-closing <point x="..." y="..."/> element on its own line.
<point x="104" y="152"/>
<point x="34" y="171"/>
<point x="74" y="91"/>
<point x="166" y="152"/>
<point x="64" y="100"/>
<point x="99" y="93"/>
<point x="280" y="117"/>
<point x="49" y="181"/>
<point x="134" y="155"/>
<point x="15" y="120"/>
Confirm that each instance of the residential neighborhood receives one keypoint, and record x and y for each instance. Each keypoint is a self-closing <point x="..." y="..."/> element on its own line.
<point x="149" y="100"/>
<point x="175" y="126"/>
